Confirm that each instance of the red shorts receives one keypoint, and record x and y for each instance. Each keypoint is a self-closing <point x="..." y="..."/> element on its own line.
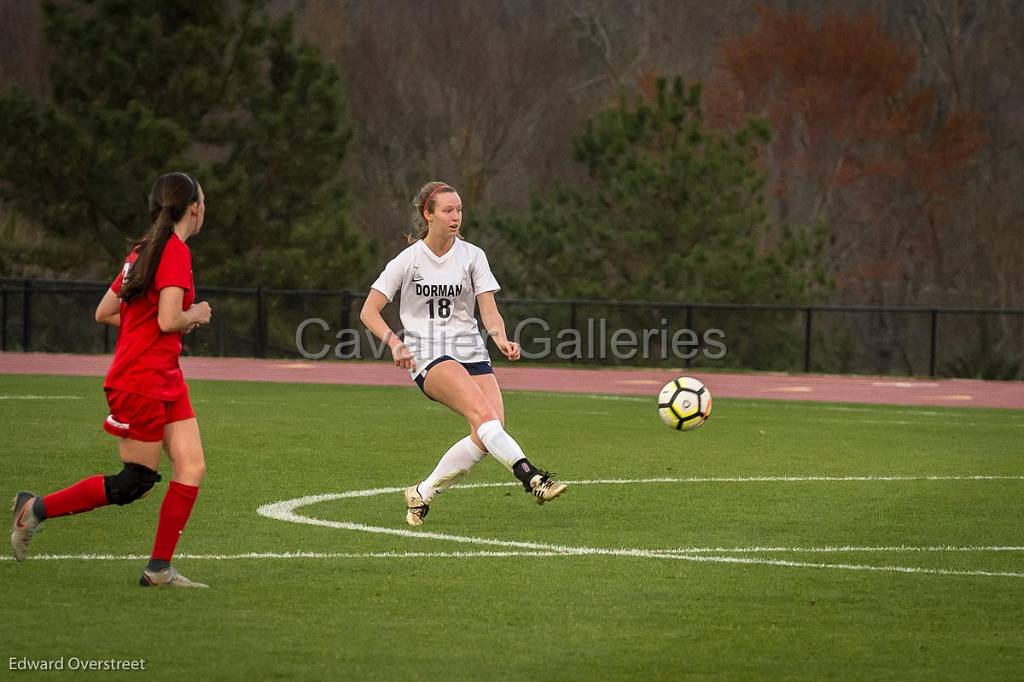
<point x="143" y="418"/>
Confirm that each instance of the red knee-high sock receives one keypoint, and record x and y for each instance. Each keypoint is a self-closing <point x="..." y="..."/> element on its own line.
<point x="174" y="513"/>
<point x="87" y="494"/>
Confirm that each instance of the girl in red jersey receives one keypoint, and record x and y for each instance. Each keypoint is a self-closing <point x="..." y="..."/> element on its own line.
<point x="152" y="300"/>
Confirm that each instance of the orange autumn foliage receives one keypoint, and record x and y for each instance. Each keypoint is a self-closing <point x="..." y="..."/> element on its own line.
<point x="840" y="96"/>
<point x="858" y="144"/>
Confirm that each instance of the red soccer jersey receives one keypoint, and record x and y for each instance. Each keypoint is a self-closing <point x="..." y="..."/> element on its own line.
<point x="146" y="359"/>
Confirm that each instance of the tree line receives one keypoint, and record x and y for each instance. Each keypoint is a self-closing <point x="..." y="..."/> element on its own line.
<point x="799" y="151"/>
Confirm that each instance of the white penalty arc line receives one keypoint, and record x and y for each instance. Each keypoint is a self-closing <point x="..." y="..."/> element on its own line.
<point x="285" y="511"/>
<point x="373" y="492"/>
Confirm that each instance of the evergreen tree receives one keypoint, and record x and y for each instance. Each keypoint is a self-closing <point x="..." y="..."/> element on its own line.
<point x="670" y="211"/>
<point x="216" y="88"/>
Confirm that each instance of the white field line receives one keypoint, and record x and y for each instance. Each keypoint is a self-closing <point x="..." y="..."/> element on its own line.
<point x="843" y="567"/>
<point x="781" y="479"/>
<point x="880" y="410"/>
<point x="285" y="511"/>
<point x="372" y="492"/>
<point x="848" y="420"/>
<point x="843" y="549"/>
<point x="40" y="397"/>
<point x="283" y="555"/>
<point x="491" y="554"/>
<point x="566" y="551"/>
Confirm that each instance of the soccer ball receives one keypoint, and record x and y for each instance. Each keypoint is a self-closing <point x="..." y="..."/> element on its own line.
<point x="684" y="404"/>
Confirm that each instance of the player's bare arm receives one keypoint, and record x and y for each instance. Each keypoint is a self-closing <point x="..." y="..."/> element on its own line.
<point x="172" y="318"/>
<point x="495" y="325"/>
<point x="371" y="317"/>
<point x="109" y="309"/>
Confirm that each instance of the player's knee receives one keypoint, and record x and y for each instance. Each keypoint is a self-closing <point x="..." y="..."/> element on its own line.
<point x="481" y="415"/>
<point x="193" y="472"/>
<point x="129" y="484"/>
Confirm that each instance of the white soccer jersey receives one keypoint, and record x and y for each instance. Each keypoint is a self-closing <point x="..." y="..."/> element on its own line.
<point x="438" y="307"/>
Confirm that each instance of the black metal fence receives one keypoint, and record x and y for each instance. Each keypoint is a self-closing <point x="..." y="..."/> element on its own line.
<point x="57" y="316"/>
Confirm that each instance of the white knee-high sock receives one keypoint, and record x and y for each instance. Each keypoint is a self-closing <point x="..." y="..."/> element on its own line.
<point x="502" y="446"/>
<point x="452" y="466"/>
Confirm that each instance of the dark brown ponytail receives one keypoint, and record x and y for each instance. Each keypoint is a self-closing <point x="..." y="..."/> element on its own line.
<point x="170" y="197"/>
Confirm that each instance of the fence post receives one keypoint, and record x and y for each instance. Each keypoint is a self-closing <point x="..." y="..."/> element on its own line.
<point x="807" y="339"/>
<point x="261" y="323"/>
<point x="346" y="310"/>
<point x="934" y="342"/>
<point x="220" y="335"/>
<point x="572" y="322"/>
<point x="26" y="317"/>
<point x="3" y="324"/>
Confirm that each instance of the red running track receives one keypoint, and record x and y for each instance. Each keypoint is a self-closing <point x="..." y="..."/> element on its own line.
<point x="647" y="382"/>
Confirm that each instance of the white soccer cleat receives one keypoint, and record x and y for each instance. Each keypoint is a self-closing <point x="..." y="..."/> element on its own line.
<point x="545" y="489"/>
<point x="24" y="524"/>
<point x="168" y="577"/>
<point x="415" y="508"/>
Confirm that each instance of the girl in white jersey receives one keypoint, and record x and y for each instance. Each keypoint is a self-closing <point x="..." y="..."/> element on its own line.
<point x="441" y="279"/>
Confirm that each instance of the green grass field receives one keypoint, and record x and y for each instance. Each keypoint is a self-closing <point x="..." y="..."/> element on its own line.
<point x="665" y="602"/>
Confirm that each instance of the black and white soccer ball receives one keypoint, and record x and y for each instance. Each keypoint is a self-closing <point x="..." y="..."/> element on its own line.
<point x="684" y="404"/>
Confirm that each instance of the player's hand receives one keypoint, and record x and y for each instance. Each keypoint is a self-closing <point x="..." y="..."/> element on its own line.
<point x="403" y="358"/>
<point x="200" y="313"/>
<point x="510" y="349"/>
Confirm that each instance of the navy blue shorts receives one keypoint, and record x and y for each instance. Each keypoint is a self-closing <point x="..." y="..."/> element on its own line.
<point x="474" y="369"/>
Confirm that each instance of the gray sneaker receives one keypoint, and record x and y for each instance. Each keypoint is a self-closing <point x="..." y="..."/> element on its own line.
<point x="168" y="577"/>
<point x="24" y="524"/>
<point x="545" y="488"/>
